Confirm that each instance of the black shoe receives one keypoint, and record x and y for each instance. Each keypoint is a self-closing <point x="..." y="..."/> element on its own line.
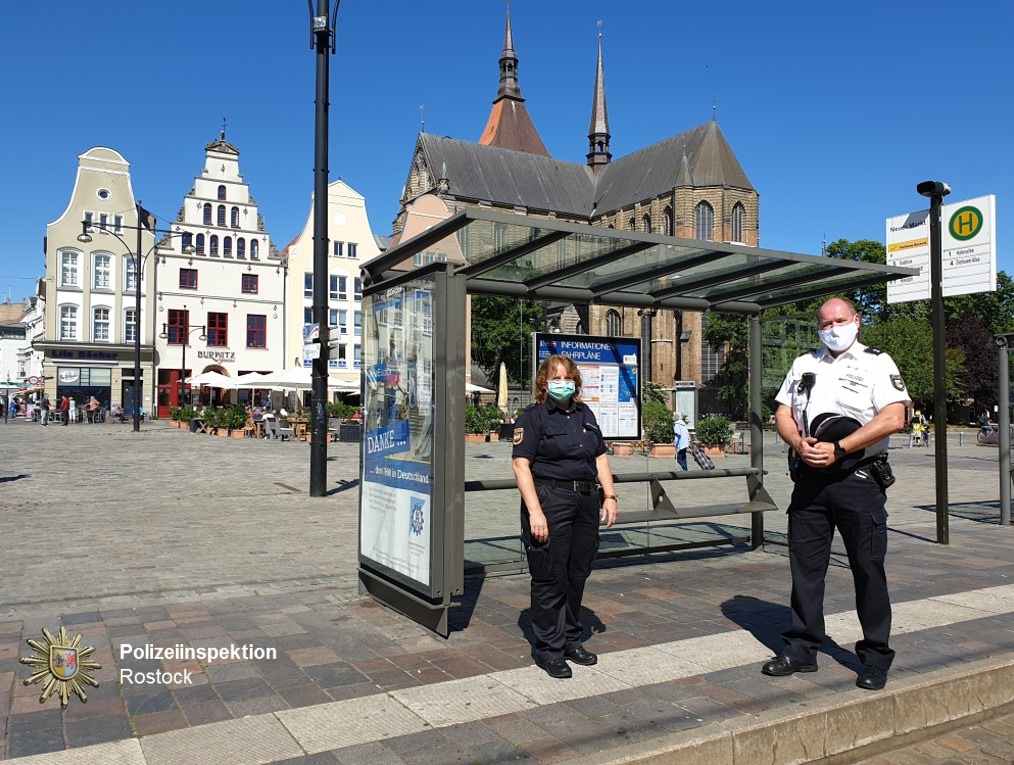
<point x="784" y="666"/>
<point x="558" y="668"/>
<point x="872" y="678"/>
<point x="580" y="656"/>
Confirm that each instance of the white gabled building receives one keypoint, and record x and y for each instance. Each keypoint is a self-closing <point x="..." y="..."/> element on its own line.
<point x="90" y="289"/>
<point x="350" y="244"/>
<point x="223" y="305"/>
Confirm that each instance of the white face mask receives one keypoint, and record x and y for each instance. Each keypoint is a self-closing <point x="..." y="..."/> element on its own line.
<point x="840" y="337"/>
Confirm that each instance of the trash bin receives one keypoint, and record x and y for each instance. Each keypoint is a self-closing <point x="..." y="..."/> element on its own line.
<point x="351" y="433"/>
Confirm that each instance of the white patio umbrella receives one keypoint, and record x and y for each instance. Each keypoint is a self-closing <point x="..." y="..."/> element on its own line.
<point x="470" y="388"/>
<point x="210" y="380"/>
<point x="249" y="380"/>
<point x="501" y="391"/>
<point x="294" y="378"/>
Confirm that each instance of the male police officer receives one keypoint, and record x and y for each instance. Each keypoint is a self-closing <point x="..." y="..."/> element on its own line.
<point x="841" y="477"/>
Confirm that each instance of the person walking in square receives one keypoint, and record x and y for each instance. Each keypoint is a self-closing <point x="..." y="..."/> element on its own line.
<point x="64" y="410"/>
<point x="837" y="408"/>
<point x="680" y="439"/>
<point x="46" y="406"/>
<point x="559" y="460"/>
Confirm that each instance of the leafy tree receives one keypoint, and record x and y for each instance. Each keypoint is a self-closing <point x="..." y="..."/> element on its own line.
<point x="502" y="332"/>
<point x="979" y="374"/>
<point x="652" y="392"/>
<point x="729" y="333"/>
<point x="910" y="344"/>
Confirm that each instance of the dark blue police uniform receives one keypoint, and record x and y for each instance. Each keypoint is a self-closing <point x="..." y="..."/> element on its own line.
<point x="562" y="447"/>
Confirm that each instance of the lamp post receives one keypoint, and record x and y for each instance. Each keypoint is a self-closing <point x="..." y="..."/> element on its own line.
<point x="139" y="260"/>
<point x="182" y="335"/>
<point x="936" y="191"/>
<point x="322" y="39"/>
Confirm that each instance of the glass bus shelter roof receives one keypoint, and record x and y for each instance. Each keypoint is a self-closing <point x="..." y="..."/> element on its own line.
<point x="540" y="259"/>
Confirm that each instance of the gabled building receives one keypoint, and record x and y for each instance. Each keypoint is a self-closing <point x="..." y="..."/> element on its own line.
<point x="690" y="185"/>
<point x="350" y="244"/>
<point x="221" y="307"/>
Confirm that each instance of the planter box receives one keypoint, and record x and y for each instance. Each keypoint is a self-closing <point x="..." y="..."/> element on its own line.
<point x="622" y="450"/>
<point x="494" y="437"/>
<point x="714" y="451"/>
<point x="476" y="438"/>
<point x="237" y="434"/>
<point x="663" y="450"/>
<point x="222" y="432"/>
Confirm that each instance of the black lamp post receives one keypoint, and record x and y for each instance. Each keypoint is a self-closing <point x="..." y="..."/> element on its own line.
<point x="322" y="39"/>
<point x="182" y="334"/>
<point x="936" y="191"/>
<point x="139" y="260"/>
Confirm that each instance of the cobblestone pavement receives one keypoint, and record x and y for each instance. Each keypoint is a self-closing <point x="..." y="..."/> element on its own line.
<point x="169" y="538"/>
<point x="989" y="743"/>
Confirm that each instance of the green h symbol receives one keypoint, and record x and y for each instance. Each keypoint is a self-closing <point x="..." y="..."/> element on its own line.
<point x="964" y="222"/>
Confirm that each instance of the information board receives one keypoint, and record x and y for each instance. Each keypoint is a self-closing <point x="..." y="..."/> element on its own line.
<point x="609" y="373"/>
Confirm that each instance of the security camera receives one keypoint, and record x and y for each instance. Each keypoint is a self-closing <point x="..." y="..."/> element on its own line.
<point x="934" y="188"/>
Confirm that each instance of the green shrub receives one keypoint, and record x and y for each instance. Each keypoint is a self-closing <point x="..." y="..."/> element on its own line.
<point x="482" y="419"/>
<point x="341" y="410"/>
<point x="657" y="421"/>
<point x="183" y="413"/>
<point x="233" y="418"/>
<point x="714" y="431"/>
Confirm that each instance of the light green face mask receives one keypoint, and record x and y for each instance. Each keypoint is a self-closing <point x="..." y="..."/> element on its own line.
<point x="560" y="390"/>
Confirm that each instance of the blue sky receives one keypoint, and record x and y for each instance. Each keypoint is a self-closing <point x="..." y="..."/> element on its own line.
<point x="835" y="110"/>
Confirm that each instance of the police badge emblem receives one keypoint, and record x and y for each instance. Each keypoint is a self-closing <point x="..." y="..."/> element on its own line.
<point x="60" y="664"/>
<point x="897" y="382"/>
<point x="519" y="435"/>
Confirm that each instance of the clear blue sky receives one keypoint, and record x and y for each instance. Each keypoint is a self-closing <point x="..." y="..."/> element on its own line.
<point x="835" y="110"/>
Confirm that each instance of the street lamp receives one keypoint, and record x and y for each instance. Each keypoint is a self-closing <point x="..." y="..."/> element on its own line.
<point x="139" y="260"/>
<point x="181" y="334"/>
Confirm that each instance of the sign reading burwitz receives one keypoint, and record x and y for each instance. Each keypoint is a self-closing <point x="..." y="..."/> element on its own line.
<point x="967" y="244"/>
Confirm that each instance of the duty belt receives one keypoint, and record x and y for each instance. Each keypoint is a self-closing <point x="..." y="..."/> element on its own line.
<point x="581" y="487"/>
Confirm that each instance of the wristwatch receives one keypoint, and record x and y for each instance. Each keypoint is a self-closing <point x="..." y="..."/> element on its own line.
<point x="839" y="451"/>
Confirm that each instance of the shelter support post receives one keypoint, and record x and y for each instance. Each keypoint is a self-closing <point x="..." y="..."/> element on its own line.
<point x="754" y="349"/>
<point x="1003" y="421"/>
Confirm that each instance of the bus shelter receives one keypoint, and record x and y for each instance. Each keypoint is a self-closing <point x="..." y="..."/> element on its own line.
<point x="414" y="357"/>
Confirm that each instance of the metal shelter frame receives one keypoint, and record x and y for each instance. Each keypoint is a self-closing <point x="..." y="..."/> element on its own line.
<point x="548" y="259"/>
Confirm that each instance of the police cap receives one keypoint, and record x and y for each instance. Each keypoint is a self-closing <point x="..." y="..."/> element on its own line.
<point x="834" y="427"/>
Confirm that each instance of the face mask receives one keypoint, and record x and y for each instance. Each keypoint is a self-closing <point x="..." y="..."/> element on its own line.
<point x="839" y="338"/>
<point x="560" y="390"/>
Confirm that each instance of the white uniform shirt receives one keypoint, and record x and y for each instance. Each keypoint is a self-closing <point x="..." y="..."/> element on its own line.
<point x="857" y="383"/>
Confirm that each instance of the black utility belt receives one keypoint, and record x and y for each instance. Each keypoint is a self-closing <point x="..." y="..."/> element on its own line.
<point x="581" y="487"/>
<point x="839" y="472"/>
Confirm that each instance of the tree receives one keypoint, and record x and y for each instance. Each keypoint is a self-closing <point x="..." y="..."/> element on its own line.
<point x="979" y="373"/>
<point x="910" y="344"/>
<point x="729" y="333"/>
<point x="502" y="332"/>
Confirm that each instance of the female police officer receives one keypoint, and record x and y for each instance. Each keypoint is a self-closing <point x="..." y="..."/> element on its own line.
<point x="560" y="463"/>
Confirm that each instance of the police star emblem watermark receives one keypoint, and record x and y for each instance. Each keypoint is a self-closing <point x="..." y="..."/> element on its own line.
<point x="61" y="666"/>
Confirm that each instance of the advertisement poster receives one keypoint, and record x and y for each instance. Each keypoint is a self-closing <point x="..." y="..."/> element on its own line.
<point x="396" y="501"/>
<point x="609" y="369"/>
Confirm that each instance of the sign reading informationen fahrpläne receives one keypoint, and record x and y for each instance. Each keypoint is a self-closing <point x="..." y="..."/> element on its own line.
<point x="968" y="249"/>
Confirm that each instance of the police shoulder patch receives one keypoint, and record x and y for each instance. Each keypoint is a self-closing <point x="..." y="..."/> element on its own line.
<point x="897" y="382"/>
<point x="874" y="351"/>
<point x="519" y="435"/>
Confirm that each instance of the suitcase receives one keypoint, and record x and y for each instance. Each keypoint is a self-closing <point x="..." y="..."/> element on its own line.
<point x="703" y="461"/>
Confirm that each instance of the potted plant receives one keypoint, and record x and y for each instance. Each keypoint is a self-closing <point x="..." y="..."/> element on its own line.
<point x="715" y="432"/>
<point x="480" y="421"/>
<point x="657" y="421"/>
<point x="232" y="421"/>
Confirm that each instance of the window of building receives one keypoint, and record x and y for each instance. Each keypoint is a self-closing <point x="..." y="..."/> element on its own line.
<point x="332" y="291"/>
<point x="102" y="274"/>
<point x="218" y="329"/>
<point x="342" y="322"/>
<point x="129" y="325"/>
<point x="241" y="248"/>
<point x="200" y="244"/>
<point x="213" y="245"/>
<point x="103" y="222"/>
<point x="631" y="225"/>
<point x="254" y="249"/>
<point x="256" y="331"/>
<point x="358" y="295"/>
<point x="177" y="328"/>
<point x="68" y="269"/>
<point x="332" y="317"/>
<point x="129" y="274"/>
<point x="118" y="224"/>
<point x="88" y="216"/>
<point x="737" y="222"/>
<point x="336" y="248"/>
<point x="704" y="222"/>
<point x="614" y="324"/>
<point x="250" y="284"/>
<point x="227" y="246"/>
<point x="343" y="288"/>
<point x="68" y="322"/>
<point x="357" y="354"/>
<point x="188" y="278"/>
<point x="187" y="240"/>
<point x="221" y="215"/>
<point x="308" y="284"/>
<point x="646" y="224"/>
<point x="100" y="325"/>
<point x="667" y="222"/>
<point x="207" y="213"/>
<point x="234" y="217"/>
<point x="353" y="247"/>
<point x="359" y="322"/>
<point x="221" y="193"/>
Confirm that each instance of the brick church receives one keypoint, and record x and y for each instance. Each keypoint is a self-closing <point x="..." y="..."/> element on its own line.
<point x="690" y="185"/>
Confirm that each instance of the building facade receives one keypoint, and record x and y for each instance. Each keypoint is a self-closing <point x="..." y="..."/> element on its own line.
<point x="350" y="244"/>
<point x="690" y="185"/>
<point x="91" y="290"/>
<point x="220" y="289"/>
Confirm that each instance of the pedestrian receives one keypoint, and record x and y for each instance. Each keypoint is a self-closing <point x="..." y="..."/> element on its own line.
<point x="680" y="439"/>
<point x="46" y="405"/>
<point x="73" y="410"/>
<point x="837" y="408"/>
<point x="566" y="486"/>
<point x="64" y="410"/>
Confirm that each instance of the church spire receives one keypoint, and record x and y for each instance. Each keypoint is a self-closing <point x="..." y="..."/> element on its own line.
<point x="509" y="126"/>
<point x="598" y="133"/>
